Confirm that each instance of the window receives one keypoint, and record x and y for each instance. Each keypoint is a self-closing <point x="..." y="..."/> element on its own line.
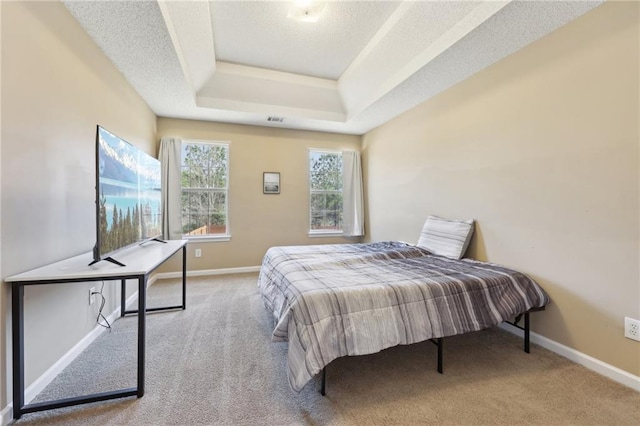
<point x="205" y="189"/>
<point x="325" y="191"/>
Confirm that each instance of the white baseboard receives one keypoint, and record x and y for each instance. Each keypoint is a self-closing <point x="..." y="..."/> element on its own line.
<point x="600" y="367"/>
<point x="205" y="272"/>
<point x="6" y="415"/>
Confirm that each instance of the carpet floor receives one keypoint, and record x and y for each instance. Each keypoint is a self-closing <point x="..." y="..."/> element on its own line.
<point x="214" y="364"/>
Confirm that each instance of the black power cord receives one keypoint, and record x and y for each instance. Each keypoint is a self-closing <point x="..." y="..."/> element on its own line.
<point x="100" y="315"/>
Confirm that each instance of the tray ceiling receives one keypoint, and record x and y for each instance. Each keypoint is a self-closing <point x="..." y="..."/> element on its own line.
<point x="361" y="64"/>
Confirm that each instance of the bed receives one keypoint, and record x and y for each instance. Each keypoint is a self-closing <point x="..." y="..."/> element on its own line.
<point x="330" y="301"/>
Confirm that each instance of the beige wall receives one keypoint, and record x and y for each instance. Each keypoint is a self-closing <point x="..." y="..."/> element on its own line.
<point x="542" y="150"/>
<point x="56" y="86"/>
<point x="258" y="221"/>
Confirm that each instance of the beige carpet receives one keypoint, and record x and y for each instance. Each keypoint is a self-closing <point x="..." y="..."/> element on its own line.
<point x="215" y="364"/>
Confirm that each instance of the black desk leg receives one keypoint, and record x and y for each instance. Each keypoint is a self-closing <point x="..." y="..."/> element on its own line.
<point x="142" y="298"/>
<point x="123" y="297"/>
<point x="17" y="335"/>
<point x="184" y="277"/>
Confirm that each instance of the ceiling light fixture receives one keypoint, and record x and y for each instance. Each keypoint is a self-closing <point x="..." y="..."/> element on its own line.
<point x="306" y="10"/>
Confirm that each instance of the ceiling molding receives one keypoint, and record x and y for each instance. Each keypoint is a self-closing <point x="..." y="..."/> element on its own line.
<point x="189" y="26"/>
<point x="374" y="59"/>
<point x="256" y="90"/>
<point x="266" y="74"/>
<point x="356" y="99"/>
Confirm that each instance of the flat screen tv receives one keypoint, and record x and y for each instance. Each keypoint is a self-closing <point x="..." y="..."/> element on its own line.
<point x="128" y="196"/>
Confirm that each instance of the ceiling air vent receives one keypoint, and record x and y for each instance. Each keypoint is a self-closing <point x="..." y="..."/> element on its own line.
<point x="275" y="119"/>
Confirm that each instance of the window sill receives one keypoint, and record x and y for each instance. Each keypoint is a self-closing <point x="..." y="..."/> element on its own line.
<point x="320" y="234"/>
<point x="207" y="238"/>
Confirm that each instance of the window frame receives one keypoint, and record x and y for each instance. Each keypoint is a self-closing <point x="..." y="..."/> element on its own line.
<point x="314" y="233"/>
<point x="211" y="237"/>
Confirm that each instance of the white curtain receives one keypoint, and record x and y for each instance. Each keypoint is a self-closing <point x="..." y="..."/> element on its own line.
<point x="352" y="194"/>
<point x="171" y="188"/>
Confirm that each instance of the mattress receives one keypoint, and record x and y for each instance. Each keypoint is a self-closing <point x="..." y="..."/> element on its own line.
<point x="330" y="301"/>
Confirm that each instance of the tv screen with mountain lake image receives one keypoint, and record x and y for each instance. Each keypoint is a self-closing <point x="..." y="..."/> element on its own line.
<point x="128" y="196"/>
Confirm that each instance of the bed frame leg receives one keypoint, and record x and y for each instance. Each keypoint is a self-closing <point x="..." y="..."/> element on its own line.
<point x="527" y="326"/>
<point x="439" y="342"/>
<point x="526" y="332"/>
<point x="324" y="381"/>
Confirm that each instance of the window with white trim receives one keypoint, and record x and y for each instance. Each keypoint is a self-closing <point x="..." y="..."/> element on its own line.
<point x="325" y="191"/>
<point x="205" y="189"/>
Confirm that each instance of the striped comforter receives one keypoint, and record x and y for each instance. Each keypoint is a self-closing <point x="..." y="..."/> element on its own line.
<point x="330" y="301"/>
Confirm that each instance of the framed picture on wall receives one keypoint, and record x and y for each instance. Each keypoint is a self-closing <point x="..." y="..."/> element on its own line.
<point x="271" y="183"/>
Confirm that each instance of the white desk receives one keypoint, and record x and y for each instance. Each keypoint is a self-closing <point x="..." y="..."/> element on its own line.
<point x="140" y="261"/>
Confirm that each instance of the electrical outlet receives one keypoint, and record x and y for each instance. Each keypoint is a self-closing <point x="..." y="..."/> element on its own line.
<point x="198" y="252"/>
<point x="92" y="297"/>
<point x="632" y="328"/>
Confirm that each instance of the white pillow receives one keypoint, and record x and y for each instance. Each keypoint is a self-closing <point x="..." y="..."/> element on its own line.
<point x="446" y="237"/>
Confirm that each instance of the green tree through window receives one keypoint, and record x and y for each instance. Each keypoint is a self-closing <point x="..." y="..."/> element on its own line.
<point x="325" y="179"/>
<point x="205" y="176"/>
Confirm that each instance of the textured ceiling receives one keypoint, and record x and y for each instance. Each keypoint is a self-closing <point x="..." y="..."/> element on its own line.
<point x="360" y="65"/>
<point x="258" y="34"/>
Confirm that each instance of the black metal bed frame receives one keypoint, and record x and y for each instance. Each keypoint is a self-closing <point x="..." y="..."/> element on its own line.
<point x="439" y="342"/>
